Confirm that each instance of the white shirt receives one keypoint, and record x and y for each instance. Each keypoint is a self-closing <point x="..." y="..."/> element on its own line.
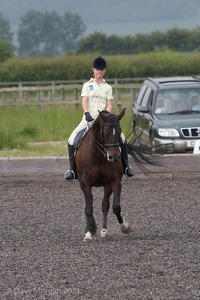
<point x="97" y="96"/>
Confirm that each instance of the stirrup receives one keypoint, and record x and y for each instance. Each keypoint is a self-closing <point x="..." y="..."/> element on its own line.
<point x="69" y="175"/>
<point x="129" y="172"/>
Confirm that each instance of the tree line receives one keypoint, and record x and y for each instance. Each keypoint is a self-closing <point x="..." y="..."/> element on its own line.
<point x="178" y="40"/>
<point x="48" y="34"/>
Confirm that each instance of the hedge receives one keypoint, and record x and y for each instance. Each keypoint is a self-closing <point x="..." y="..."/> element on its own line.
<point x="78" y="67"/>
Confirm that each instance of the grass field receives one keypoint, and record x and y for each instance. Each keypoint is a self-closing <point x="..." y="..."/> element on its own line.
<point x="32" y="131"/>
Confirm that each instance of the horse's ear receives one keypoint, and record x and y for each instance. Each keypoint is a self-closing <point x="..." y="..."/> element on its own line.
<point x="103" y="114"/>
<point x="121" y="114"/>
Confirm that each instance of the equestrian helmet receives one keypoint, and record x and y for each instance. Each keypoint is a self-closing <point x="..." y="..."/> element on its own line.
<point x="99" y="63"/>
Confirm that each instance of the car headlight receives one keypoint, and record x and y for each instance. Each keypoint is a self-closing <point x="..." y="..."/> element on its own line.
<point x="168" y="132"/>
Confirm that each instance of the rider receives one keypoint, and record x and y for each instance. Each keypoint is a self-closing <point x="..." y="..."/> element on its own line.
<point x="96" y="96"/>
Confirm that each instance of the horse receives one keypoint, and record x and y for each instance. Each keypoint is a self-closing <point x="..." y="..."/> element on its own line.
<point x="99" y="164"/>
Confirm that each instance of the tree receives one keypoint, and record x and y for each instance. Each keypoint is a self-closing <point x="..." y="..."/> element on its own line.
<point x="6" y="49"/>
<point x="177" y="39"/>
<point x="156" y="40"/>
<point x="29" y="33"/>
<point x="94" y="43"/>
<point x="73" y="28"/>
<point x="48" y="34"/>
<point x="5" y="32"/>
<point x="51" y="34"/>
<point x="194" y="41"/>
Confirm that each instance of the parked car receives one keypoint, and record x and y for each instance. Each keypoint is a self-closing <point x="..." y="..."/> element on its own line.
<point x="167" y="111"/>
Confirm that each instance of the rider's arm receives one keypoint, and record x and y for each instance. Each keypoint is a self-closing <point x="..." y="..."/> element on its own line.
<point x="85" y="104"/>
<point x="109" y="105"/>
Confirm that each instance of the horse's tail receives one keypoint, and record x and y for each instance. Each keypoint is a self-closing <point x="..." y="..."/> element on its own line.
<point x="143" y="154"/>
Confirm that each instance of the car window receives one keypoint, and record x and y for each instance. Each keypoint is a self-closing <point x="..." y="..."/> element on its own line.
<point x="177" y="100"/>
<point x="141" y="94"/>
<point x="150" y="101"/>
<point x="146" y="101"/>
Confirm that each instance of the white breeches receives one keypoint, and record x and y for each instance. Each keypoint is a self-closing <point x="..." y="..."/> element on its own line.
<point x="82" y="125"/>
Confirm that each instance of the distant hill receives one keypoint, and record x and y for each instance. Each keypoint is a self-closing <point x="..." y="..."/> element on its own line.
<point x="107" y="14"/>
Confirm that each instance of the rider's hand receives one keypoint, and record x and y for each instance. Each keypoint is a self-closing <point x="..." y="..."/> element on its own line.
<point x="88" y="117"/>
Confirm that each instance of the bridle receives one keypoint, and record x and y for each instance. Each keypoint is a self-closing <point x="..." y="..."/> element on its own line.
<point x="100" y="145"/>
<point x="109" y="145"/>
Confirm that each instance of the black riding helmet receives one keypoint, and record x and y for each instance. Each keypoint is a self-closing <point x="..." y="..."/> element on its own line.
<point x="99" y="63"/>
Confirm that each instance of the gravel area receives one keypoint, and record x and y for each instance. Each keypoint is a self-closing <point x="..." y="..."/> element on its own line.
<point x="43" y="255"/>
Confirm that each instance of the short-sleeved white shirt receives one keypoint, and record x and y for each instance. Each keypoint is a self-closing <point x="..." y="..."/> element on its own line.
<point x="97" y="96"/>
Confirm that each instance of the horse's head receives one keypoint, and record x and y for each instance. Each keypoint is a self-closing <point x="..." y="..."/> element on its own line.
<point x="111" y="134"/>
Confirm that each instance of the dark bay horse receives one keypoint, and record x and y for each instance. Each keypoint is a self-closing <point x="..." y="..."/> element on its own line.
<point x="99" y="164"/>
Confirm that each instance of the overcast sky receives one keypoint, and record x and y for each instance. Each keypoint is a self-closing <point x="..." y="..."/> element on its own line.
<point x="126" y="17"/>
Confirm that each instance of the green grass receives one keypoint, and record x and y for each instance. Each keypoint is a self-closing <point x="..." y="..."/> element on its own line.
<point x="36" y="151"/>
<point x="28" y="130"/>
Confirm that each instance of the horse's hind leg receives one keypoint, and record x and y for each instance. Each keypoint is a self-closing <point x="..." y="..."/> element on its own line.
<point x="105" y="209"/>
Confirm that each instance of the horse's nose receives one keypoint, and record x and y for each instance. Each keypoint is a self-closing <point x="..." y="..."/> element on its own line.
<point x="113" y="157"/>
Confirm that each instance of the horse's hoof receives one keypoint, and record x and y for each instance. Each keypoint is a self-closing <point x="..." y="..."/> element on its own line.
<point x="88" y="236"/>
<point x="125" y="227"/>
<point x="104" y="232"/>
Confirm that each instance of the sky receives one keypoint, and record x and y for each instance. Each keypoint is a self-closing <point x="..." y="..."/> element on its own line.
<point x="127" y="17"/>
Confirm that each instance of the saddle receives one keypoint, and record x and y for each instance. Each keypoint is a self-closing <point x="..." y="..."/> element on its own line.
<point x="79" y="138"/>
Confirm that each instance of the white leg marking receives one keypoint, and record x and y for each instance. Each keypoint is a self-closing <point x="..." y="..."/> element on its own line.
<point x="125" y="227"/>
<point x="104" y="232"/>
<point x="88" y="236"/>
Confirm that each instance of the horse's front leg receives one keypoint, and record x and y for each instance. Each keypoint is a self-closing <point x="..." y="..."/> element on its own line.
<point x="124" y="226"/>
<point x="91" y="227"/>
<point x="105" y="208"/>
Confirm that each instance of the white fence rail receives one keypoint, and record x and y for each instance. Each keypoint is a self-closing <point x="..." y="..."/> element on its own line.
<point x="46" y="93"/>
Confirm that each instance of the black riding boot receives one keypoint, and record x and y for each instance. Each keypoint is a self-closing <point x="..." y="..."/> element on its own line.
<point x="71" y="174"/>
<point x="128" y="171"/>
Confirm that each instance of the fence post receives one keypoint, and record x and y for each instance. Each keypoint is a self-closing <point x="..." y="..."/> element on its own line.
<point x="76" y="97"/>
<point x="20" y="90"/>
<point x="62" y="94"/>
<point x="53" y="88"/>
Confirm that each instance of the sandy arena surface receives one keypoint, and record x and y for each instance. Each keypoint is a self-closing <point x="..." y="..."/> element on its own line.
<point x="43" y="255"/>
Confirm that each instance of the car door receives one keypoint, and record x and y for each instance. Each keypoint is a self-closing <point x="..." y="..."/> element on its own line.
<point x="142" y="119"/>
